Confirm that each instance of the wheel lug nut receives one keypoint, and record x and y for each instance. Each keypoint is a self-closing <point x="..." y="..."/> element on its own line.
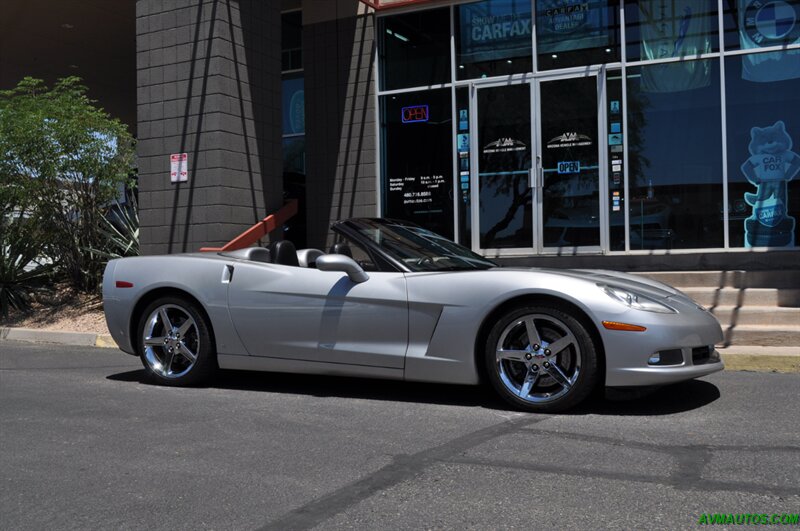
<point x="536" y="347"/>
<point x="528" y="356"/>
<point x="547" y="352"/>
<point x="546" y="365"/>
<point x="534" y="368"/>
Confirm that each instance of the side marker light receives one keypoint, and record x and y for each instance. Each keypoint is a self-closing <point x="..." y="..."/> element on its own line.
<point x="625" y="327"/>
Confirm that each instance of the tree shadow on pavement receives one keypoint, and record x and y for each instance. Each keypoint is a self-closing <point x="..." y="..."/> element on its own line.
<point x="675" y="398"/>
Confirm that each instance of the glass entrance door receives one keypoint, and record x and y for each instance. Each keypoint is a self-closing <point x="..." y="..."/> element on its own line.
<point x="535" y="162"/>
<point x="501" y="160"/>
<point x="570" y="217"/>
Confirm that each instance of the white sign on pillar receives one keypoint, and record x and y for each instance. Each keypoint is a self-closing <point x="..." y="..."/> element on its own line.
<point x="179" y="167"/>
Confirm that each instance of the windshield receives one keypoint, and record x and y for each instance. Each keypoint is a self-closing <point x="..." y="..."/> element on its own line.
<point x="419" y="249"/>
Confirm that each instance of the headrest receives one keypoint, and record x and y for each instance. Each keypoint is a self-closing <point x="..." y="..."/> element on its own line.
<point x="307" y="257"/>
<point x="284" y="253"/>
<point x="342" y="248"/>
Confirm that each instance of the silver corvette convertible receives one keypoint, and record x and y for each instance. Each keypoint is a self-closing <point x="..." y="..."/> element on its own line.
<point x="393" y="300"/>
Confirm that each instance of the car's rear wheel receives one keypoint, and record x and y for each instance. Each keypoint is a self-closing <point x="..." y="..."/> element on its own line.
<point x="175" y="343"/>
<point x="541" y="359"/>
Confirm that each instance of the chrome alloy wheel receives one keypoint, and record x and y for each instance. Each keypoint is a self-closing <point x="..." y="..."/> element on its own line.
<point x="171" y="341"/>
<point x="538" y="358"/>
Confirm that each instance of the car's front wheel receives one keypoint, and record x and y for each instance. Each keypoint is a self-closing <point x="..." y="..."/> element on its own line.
<point x="541" y="359"/>
<point x="175" y="343"/>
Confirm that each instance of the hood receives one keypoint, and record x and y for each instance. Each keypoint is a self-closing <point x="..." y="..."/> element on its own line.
<point x="640" y="284"/>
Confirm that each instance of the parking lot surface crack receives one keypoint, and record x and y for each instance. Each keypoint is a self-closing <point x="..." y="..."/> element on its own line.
<point x="402" y="468"/>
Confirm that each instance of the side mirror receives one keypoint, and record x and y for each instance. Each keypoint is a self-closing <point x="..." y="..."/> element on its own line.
<point x="340" y="262"/>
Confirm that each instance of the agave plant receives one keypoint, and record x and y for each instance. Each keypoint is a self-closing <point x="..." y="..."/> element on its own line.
<point x="120" y="230"/>
<point x="22" y="270"/>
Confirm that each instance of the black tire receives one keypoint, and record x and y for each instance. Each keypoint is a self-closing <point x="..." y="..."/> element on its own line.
<point x="197" y="340"/>
<point x="575" y="365"/>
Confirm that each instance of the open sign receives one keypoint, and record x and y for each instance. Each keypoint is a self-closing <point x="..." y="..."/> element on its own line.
<point x="573" y="166"/>
<point x="415" y="113"/>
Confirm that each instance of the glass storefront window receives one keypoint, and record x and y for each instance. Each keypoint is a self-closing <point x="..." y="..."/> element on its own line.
<point x="674" y="162"/>
<point x="414" y="49"/>
<point x="294" y="156"/>
<point x="753" y="24"/>
<point x="417" y="164"/>
<point x="662" y="29"/>
<point x="293" y="105"/>
<point x="576" y="33"/>
<point x="763" y="122"/>
<point x="292" y="40"/>
<point x="493" y="38"/>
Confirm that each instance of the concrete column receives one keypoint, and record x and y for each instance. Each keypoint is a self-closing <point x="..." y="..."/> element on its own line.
<point x="338" y="58"/>
<point x="208" y="85"/>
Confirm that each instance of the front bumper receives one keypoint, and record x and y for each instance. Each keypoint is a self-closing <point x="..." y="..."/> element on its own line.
<point x="627" y="353"/>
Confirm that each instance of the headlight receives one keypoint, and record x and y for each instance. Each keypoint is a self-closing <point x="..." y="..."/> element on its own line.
<point x="635" y="300"/>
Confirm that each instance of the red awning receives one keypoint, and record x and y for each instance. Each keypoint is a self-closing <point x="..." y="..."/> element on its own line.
<point x="380" y="5"/>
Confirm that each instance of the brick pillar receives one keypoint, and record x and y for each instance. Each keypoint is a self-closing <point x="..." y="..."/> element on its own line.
<point x="208" y="85"/>
<point x="338" y="58"/>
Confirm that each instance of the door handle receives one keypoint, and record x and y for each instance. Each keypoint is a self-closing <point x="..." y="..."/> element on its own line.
<point x="539" y="177"/>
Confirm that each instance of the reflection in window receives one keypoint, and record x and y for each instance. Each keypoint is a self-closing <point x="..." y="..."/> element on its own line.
<point x="663" y="29"/>
<point x="414" y="49"/>
<point x="570" y="191"/>
<point x="493" y="38"/>
<point x="675" y="168"/>
<point x="366" y="260"/>
<point x="763" y="122"/>
<point x="753" y="24"/>
<point x="576" y="32"/>
<point x="417" y="159"/>
<point x="293" y="105"/>
<point x="504" y="158"/>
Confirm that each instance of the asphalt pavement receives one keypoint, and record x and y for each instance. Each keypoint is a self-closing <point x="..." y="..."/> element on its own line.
<point x="86" y="444"/>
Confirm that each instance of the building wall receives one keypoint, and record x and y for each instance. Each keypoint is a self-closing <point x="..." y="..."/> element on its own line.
<point x="339" y="57"/>
<point x="208" y="85"/>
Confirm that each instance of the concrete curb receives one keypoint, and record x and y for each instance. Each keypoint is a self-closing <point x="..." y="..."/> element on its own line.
<point x="81" y="339"/>
<point x="762" y="359"/>
<point x="736" y="358"/>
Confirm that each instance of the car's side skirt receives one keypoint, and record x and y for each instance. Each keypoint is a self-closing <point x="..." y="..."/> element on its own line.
<point x="261" y="363"/>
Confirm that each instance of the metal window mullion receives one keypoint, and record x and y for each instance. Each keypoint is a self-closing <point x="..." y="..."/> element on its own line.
<point x="421" y="88"/>
<point x="474" y="194"/>
<point x="765" y="49"/>
<point x="603" y="160"/>
<point x="534" y="56"/>
<point x="454" y="134"/>
<point x="724" y="126"/>
<point x="378" y="119"/>
<point x="626" y="134"/>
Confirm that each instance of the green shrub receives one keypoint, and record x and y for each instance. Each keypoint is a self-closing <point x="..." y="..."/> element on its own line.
<point x="65" y="160"/>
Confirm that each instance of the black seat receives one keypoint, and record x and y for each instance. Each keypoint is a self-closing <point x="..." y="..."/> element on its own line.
<point x="342" y="248"/>
<point x="284" y="253"/>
